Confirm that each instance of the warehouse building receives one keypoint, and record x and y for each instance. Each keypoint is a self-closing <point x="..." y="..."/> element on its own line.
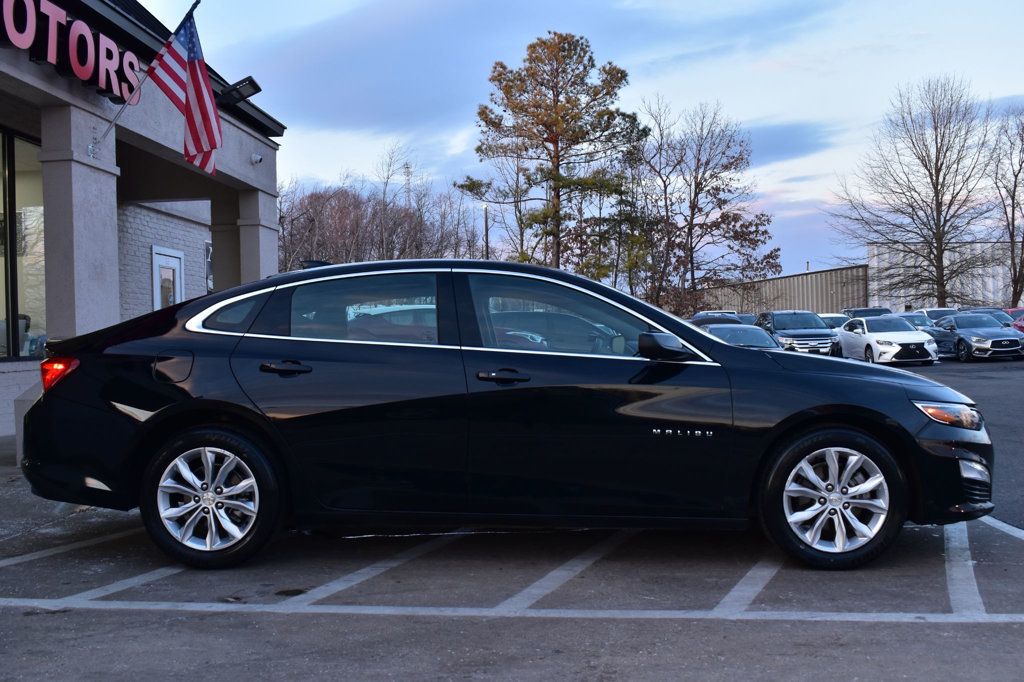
<point x="822" y="291"/>
<point x="91" y="234"/>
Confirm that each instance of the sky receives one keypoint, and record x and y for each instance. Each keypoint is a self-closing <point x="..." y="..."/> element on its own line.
<point x="808" y="79"/>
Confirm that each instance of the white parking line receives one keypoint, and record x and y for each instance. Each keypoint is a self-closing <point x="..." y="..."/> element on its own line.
<point x="743" y="594"/>
<point x="125" y="584"/>
<point x="1005" y="527"/>
<point x="367" y="572"/>
<point x="461" y="612"/>
<point x="563" y="574"/>
<point x="43" y="553"/>
<point x="964" y="596"/>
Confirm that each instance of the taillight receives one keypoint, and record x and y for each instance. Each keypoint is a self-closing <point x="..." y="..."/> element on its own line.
<point x="55" y="369"/>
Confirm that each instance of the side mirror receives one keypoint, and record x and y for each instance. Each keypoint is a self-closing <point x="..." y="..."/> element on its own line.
<point x="1007" y="324"/>
<point x="661" y="346"/>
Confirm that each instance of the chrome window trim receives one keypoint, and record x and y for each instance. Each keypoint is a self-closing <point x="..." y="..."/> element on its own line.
<point x="599" y="297"/>
<point x="195" y="323"/>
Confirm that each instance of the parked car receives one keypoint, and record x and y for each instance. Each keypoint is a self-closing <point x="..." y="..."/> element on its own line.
<point x="715" y="315"/>
<point x="936" y="313"/>
<point x="747" y="318"/>
<point x="1015" y="313"/>
<point x="708" y="320"/>
<point x="744" y="336"/>
<point x="834" y="320"/>
<point x="982" y="336"/>
<point x="945" y="341"/>
<point x="866" y="312"/>
<point x="1001" y="316"/>
<point x="800" y="330"/>
<point x="225" y="416"/>
<point x="887" y="338"/>
<point x="1018" y="324"/>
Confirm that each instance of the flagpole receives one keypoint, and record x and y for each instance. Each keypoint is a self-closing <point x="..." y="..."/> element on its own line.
<point x="94" y="145"/>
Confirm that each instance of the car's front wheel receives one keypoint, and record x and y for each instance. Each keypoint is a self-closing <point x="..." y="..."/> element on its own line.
<point x="210" y="498"/>
<point x="963" y="352"/>
<point x="869" y="355"/>
<point x="833" y="498"/>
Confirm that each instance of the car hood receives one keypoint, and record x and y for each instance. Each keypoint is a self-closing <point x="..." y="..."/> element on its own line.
<point x="991" y="333"/>
<point x="916" y="386"/>
<point x="804" y="333"/>
<point x="901" y="337"/>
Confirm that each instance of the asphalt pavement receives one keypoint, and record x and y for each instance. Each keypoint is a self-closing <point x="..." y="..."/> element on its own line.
<point x="85" y="595"/>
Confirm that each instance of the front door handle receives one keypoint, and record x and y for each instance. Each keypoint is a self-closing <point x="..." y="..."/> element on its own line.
<point x="503" y="376"/>
<point x="286" y="367"/>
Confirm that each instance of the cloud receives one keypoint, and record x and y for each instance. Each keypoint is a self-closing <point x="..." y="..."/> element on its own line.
<point x="773" y="142"/>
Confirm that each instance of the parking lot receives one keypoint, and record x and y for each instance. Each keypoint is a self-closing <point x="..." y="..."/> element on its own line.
<point x="84" y="594"/>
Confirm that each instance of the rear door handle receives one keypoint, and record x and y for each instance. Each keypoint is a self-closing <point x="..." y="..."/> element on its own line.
<point x="286" y="367"/>
<point x="503" y="376"/>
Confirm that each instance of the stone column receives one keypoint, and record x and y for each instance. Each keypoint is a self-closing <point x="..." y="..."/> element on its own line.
<point x="258" y="235"/>
<point x="80" y="224"/>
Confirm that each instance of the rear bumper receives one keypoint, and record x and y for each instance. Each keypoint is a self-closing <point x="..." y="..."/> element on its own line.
<point x="77" y="457"/>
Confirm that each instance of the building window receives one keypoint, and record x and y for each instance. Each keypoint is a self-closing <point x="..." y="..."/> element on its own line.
<point x="23" y="327"/>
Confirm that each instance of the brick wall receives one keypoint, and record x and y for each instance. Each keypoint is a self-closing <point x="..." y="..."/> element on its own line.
<point x="179" y="226"/>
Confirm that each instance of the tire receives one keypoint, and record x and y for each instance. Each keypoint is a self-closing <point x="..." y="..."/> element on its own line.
<point x="869" y="355"/>
<point x="244" y="520"/>
<point x="778" y="507"/>
<point x="963" y="351"/>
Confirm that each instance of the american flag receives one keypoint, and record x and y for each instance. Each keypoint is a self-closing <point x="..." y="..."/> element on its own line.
<point x="180" y="71"/>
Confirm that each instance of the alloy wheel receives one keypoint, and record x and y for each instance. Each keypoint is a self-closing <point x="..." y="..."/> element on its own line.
<point x="869" y="355"/>
<point x="208" y="499"/>
<point x="963" y="352"/>
<point x="836" y="500"/>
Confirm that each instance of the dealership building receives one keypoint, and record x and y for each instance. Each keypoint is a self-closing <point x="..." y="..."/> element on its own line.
<point x="96" y="230"/>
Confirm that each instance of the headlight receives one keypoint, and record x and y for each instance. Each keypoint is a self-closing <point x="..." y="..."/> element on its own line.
<point x="787" y="340"/>
<point x="952" y="414"/>
<point x="978" y="339"/>
<point x="883" y="342"/>
<point x="930" y="342"/>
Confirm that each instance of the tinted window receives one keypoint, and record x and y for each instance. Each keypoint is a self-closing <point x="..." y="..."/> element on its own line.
<point x="740" y="335"/>
<point x="798" y="321"/>
<point x="939" y="313"/>
<point x="236" y="317"/>
<point x="519" y="313"/>
<point x="834" y="321"/>
<point x="888" y="324"/>
<point x="976" y="322"/>
<point x="385" y="308"/>
<point x="918" y="320"/>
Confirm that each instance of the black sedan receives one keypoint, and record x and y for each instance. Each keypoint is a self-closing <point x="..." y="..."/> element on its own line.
<point x="945" y="340"/>
<point x="979" y="335"/>
<point x="306" y="396"/>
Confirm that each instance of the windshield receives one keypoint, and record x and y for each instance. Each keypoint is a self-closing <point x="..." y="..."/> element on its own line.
<point x="741" y="335"/>
<point x="918" y="320"/>
<point x="977" y="322"/>
<point x="939" y="312"/>
<point x="888" y="324"/>
<point x="835" y="321"/>
<point x="798" y="321"/>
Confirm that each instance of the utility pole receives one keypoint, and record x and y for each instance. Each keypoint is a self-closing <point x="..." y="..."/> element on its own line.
<point x="487" y="236"/>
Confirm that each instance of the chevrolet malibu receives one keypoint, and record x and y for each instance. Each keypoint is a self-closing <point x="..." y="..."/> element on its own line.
<point x="490" y="394"/>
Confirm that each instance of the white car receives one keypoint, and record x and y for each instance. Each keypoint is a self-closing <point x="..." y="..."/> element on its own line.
<point x="886" y="339"/>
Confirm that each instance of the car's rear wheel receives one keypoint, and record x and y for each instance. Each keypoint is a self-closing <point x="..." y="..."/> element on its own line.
<point x="963" y="352"/>
<point x="834" y="498"/>
<point x="210" y="498"/>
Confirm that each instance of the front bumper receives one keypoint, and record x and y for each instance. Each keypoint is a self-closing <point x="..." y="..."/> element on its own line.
<point x="991" y="350"/>
<point x="917" y="352"/>
<point x="946" y="495"/>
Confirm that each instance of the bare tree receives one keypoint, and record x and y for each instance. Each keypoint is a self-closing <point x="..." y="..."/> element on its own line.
<point x="919" y="194"/>
<point x="1008" y="179"/>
